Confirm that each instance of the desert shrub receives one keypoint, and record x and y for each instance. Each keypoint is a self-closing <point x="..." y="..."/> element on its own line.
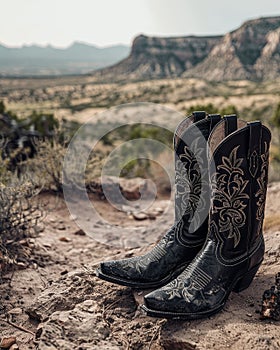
<point x="136" y="131"/>
<point x="138" y="166"/>
<point x="47" y="168"/>
<point x="2" y="107"/>
<point x="276" y="117"/>
<point x="18" y="219"/>
<point x="94" y="165"/>
<point x="211" y="109"/>
<point x="35" y="145"/>
<point x="230" y="109"/>
<point x="44" y="123"/>
<point x="19" y="137"/>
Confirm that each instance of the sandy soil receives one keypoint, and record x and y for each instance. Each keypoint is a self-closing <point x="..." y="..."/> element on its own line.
<point x="72" y="309"/>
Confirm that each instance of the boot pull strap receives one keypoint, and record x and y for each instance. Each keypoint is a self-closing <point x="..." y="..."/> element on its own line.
<point x="214" y="119"/>
<point x="230" y="124"/>
<point x="198" y="115"/>
<point x="254" y="149"/>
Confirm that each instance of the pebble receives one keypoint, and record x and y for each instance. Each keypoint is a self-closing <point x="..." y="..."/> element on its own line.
<point x="65" y="239"/>
<point x="140" y="216"/>
<point x="7" y="342"/>
<point x="39" y="228"/>
<point x="15" y="311"/>
<point x="61" y="227"/>
<point x="14" y="347"/>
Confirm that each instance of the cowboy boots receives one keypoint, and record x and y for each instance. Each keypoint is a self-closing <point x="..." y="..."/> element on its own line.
<point x="182" y="241"/>
<point x="234" y="247"/>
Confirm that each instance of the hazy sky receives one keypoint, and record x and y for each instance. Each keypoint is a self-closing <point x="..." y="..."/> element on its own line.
<point x="106" y="22"/>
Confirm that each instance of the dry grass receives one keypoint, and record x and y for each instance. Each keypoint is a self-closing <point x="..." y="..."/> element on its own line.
<point x="271" y="221"/>
<point x="18" y="219"/>
<point x="80" y="98"/>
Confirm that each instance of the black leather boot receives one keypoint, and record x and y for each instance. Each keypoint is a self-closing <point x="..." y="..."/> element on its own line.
<point x="234" y="247"/>
<point x="186" y="237"/>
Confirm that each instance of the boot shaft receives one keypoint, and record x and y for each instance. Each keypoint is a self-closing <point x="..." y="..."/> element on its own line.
<point x="192" y="191"/>
<point x="238" y="171"/>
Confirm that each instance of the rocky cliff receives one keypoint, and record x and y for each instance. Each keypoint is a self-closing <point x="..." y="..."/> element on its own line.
<point x="250" y="52"/>
<point x="152" y="57"/>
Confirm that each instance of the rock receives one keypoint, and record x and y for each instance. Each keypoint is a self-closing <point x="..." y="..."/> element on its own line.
<point x="65" y="239"/>
<point x="271" y="301"/>
<point x="159" y="210"/>
<point x="80" y="233"/>
<point x="15" y="311"/>
<point x="61" y="226"/>
<point x="171" y="344"/>
<point x="117" y="189"/>
<point x="140" y="216"/>
<point x="139" y="296"/>
<point x="129" y="243"/>
<point x="64" y="294"/>
<point x="39" y="228"/>
<point x="135" y="188"/>
<point x="7" y="342"/>
<point x="39" y="331"/>
<point x="75" y="328"/>
<point x="14" y="347"/>
<point x="79" y="314"/>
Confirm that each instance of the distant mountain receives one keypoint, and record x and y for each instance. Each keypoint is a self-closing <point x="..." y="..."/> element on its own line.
<point x="152" y="57"/>
<point x="250" y="52"/>
<point x="78" y="58"/>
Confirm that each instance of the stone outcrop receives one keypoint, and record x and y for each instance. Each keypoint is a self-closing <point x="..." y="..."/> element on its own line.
<point x="268" y="64"/>
<point x="152" y="57"/>
<point x="249" y="52"/>
<point x="246" y="53"/>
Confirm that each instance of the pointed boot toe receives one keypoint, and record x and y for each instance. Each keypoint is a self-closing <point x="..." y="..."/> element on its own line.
<point x="163" y="302"/>
<point x="112" y="268"/>
<point x="123" y="272"/>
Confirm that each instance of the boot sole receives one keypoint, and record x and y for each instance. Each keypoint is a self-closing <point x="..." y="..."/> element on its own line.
<point x="241" y="284"/>
<point x="140" y="285"/>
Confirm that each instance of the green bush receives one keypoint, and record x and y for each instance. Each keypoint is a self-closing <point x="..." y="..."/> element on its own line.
<point x="211" y="109"/>
<point x="44" y="123"/>
<point x="137" y="167"/>
<point x="276" y="117"/>
<point x="2" y="107"/>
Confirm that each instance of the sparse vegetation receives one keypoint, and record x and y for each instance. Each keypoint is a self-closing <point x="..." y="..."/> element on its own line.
<point x="140" y="151"/>
<point x="276" y="116"/>
<point x="18" y="218"/>
<point x="211" y="109"/>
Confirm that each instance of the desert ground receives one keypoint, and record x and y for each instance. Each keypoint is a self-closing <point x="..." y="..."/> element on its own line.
<point x="57" y="302"/>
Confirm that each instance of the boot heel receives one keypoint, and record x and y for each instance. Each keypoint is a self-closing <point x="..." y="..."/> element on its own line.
<point x="245" y="281"/>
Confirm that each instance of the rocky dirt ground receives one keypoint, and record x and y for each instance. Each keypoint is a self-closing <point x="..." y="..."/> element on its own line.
<point x="58" y="303"/>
